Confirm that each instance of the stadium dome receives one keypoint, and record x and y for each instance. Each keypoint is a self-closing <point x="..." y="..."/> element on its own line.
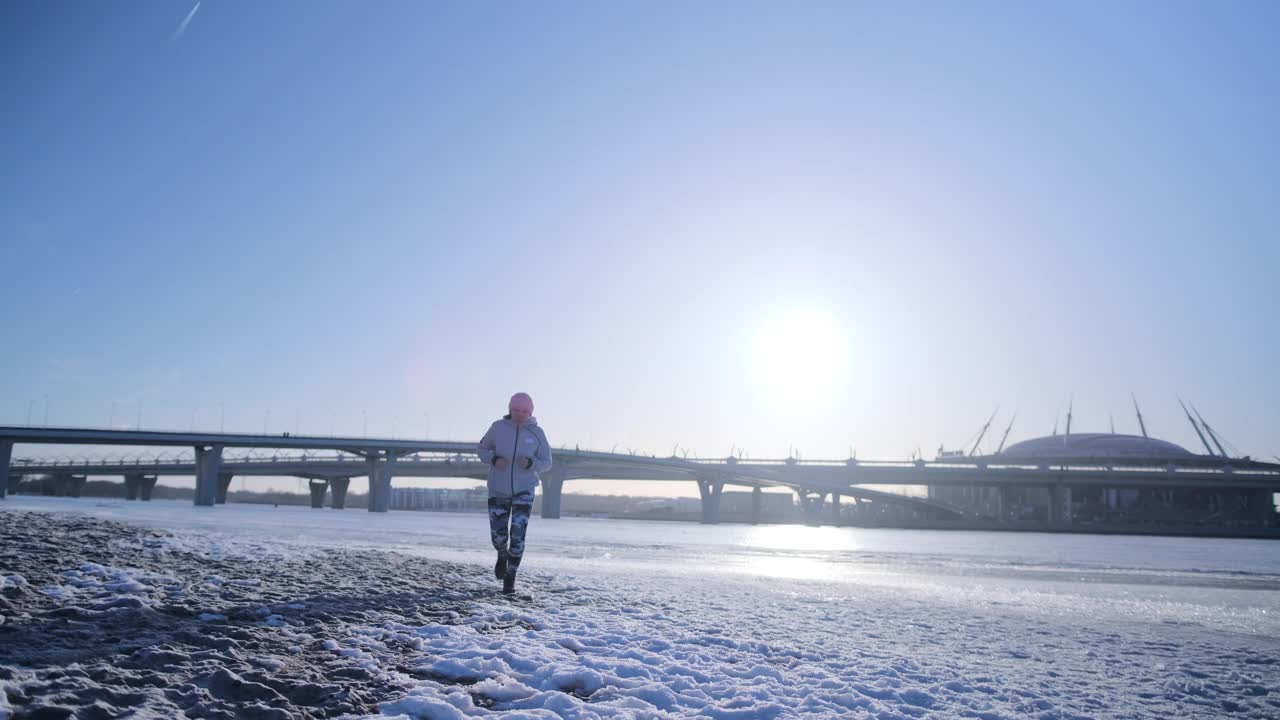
<point x="1095" y="446"/>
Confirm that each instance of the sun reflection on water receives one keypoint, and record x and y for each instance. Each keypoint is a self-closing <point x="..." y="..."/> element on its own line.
<point x="800" y="538"/>
<point x="796" y="553"/>
<point x="787" y="567"/>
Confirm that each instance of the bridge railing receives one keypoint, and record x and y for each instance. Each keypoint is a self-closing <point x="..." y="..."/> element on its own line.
<point x="234" y="457"/>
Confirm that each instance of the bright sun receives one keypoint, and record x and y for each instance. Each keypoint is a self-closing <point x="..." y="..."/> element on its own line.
<point x="800" y="359"/>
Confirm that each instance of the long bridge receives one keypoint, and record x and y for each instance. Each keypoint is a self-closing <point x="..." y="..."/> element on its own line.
<point x="329" y="463"/>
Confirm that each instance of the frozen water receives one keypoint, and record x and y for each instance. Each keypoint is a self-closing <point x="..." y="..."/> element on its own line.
<point x="1230" y="584"/>
<point x="655" y="620"/>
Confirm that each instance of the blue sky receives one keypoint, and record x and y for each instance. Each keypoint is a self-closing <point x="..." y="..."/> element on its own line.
<point x="300" y="215"/>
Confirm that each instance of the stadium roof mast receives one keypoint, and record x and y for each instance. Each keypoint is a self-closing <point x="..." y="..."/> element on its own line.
<point x="983" y="434"/>
<point x="1066" y="438"/>
<point x="1006" y="432"/>
<point x="1141" y="424"/>
<point x="1197" y="428"/>
<point x="1212" y="435"/>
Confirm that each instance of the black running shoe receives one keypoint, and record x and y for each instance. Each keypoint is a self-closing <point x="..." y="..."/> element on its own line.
<point x="509" y="582"/>
<point x="500" y="568"/>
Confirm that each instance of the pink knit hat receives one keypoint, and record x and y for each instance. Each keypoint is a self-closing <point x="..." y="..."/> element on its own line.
<point x="521" y="400"/>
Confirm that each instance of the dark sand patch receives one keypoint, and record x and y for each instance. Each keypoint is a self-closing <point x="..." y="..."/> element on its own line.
<point x="103" y="619"/>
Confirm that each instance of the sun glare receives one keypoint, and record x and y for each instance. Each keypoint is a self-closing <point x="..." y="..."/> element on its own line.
<point x="800" y="359"/>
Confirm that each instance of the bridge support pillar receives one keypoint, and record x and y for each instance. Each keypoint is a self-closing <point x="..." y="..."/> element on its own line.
<point x="710" y="491"/>
<point x="208" y="467"/>
<point x="339" y="486"/>
<point x="835" y="509"/>
<point x="1002" y="503"/>
<point x="64" y="485"/>
<point x="811" y="506"/>
<point x="552" y="490"/>
<point x="132" y="483"/>
<point x="860" y="512"/>
<point x="55" y="485"/>
<point x="74" y="485"/>
<point x="381" y="469"/>
<point x="318" y="487"/>
<point x="6" y="454"/>
<point x="757" y="504"/>
<point x="224" y="484"/>
<point x="136" y="484"/>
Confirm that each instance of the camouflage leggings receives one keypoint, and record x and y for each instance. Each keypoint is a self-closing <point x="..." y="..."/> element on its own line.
<point x="508" y="521"/>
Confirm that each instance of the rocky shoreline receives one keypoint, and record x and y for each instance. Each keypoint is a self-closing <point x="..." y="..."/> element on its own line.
<point x="102" y="619"/>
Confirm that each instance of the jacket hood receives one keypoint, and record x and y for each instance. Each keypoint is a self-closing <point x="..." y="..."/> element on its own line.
<point x="531" y="421"/>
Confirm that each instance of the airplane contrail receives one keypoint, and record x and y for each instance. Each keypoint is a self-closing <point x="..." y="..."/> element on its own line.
<point x="182" y="28"/>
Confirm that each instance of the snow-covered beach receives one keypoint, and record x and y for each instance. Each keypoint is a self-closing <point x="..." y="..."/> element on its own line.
<point x="115" y="609"/>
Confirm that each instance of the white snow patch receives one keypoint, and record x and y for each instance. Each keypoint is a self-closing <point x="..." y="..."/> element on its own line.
<point x="897" y="624"/>
<point x="12" y="580"/>
<point x="267" y="662"/>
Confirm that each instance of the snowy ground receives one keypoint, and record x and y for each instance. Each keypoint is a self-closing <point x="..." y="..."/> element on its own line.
<point x="262" y="612"/>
